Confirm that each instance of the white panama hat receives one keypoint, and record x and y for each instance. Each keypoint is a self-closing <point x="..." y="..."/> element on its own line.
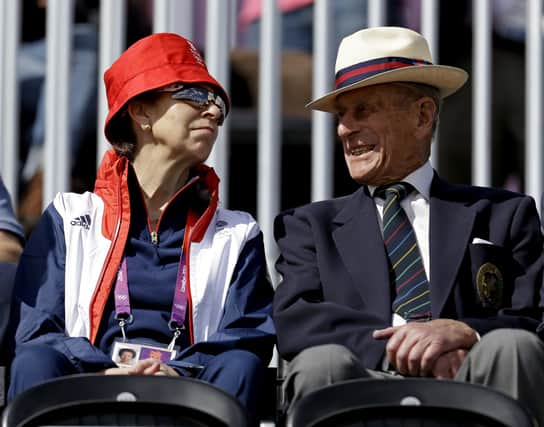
<point x="384" y="55"/>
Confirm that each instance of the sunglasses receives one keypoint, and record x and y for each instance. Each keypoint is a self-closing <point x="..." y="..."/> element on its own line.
<point x="200" y="97"/>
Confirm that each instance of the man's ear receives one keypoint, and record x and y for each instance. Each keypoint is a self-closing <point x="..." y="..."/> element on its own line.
<point x="426" y="112"/>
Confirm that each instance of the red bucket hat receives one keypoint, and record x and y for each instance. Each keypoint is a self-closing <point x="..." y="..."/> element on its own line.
<point x="153" y="62"/>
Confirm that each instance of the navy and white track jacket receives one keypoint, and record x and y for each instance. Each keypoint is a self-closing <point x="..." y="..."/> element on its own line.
<point x="69" y="266"/>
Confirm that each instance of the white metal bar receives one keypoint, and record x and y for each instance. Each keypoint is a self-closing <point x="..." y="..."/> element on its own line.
<point x="59" y="17"/>
<point x="429" y="25"/>
<point x="322" y="123"/>
<point x="376" y="13"/>
<point x="533" y="96"/>
<point x="10" y="24"/>
<point x="233" y="19"/>
<point x="481" y="138"/>
<point x="112" y="44"/>
<point x="429" y="29"/>
<point x="217" y="59"/>
<point x="269" y="125"/>
<point x="174" y="16"/>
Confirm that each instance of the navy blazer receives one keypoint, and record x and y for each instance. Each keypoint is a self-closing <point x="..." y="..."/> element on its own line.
<point x="335" y="283"/>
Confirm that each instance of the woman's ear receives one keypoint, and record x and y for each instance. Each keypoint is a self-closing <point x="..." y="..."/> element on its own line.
<point x="139" y="114"/>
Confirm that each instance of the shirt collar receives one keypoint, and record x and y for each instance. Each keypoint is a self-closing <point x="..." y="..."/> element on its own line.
<point x="420" y="179"/>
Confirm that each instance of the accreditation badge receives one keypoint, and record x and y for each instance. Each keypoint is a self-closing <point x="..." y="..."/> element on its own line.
<point x="126" y="353"/>
<point x="490" y="285"/>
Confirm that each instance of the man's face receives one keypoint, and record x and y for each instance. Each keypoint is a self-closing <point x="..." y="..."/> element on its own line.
<point x="380" y="127"/>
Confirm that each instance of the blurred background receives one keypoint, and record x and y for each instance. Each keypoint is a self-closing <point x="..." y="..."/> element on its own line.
<point x="273" y="56"/>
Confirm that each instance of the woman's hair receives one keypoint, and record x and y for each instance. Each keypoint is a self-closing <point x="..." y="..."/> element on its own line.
<point x="122" y="135"/>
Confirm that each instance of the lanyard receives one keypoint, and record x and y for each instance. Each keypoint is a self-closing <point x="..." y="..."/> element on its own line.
<point x="179" y="305"/>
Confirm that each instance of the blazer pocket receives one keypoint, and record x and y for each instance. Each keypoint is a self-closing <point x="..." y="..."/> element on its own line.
<point x="490" y="275"/>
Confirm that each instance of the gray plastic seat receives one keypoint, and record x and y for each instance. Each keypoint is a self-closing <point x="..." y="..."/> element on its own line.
<point x="410" y="402"/>
<point x="124" y="400"/>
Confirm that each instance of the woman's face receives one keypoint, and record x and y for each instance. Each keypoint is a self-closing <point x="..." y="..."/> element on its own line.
<point x="126" y="356"/>
<point x="184" y="128"/>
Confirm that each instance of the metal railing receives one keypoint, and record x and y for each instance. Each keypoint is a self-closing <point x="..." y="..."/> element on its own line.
<point x="178" y="16"/>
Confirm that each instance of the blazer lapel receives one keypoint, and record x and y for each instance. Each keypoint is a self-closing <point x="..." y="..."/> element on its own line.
<point x="360" y="245"/>
<point x="451" y="224"/>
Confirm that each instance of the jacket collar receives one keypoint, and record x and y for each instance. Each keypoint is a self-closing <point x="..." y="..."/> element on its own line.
<point x="359" y="242"/>
<point x="112" y="186"/>
<point x="452" y="218"/>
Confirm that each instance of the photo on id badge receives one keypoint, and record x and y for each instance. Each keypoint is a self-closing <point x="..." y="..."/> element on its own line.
<point x="126" y="354"/>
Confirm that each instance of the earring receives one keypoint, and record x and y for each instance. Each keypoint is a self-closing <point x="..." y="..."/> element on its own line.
<point x="146" y="127"/>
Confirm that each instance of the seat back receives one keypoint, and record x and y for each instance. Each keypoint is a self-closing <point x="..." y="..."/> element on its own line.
<point x="124" y="400"/>
<point x="7" y="276"/>
<point x="408" y="402"/>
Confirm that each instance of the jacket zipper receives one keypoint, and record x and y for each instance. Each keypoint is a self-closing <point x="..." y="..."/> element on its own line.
<point x="154" y="233"/>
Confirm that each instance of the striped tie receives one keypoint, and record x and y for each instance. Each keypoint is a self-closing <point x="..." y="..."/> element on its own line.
<point x="412" y="300"/>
